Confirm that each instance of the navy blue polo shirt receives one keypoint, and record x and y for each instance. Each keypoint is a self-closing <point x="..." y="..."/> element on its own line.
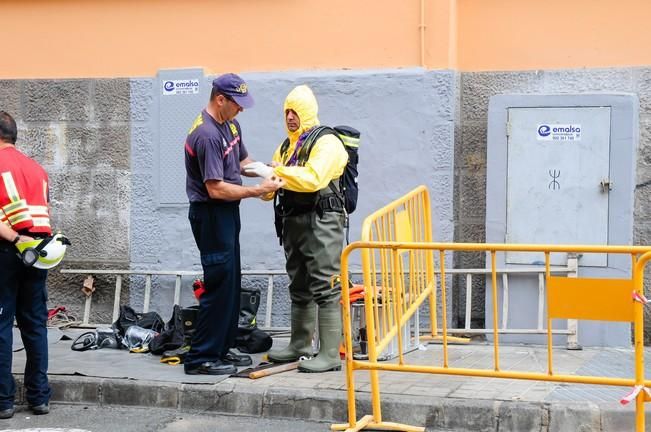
<point x="213" y="151"/>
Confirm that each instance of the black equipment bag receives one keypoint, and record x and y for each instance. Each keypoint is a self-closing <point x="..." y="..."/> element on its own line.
<point x="249" y="338"/>
<point x="252" y="341"/>
<point x="178" y="330"/>
<point x="129" y="317"/>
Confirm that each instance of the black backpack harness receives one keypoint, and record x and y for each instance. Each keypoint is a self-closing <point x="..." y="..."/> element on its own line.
<point x="331" y="199"/>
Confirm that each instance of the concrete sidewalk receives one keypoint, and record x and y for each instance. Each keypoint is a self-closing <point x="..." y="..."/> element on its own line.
<point x="439" y="402"/>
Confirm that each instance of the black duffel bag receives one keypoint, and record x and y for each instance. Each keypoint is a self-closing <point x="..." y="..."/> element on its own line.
<point x="129" y="317"/>
<point x="178" y="331"/>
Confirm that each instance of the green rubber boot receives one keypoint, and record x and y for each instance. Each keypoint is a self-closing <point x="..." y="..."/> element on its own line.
<point x="329" y="340"/>
<point x="300" y="344"/>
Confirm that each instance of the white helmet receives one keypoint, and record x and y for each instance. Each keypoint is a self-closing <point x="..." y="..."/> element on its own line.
<point x="43" y="253"/>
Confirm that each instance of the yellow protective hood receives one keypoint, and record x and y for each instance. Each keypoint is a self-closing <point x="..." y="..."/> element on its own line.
<point x="301" y="100"/>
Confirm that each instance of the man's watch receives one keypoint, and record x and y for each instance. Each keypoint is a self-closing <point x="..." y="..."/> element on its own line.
<point x="16" y="240"/>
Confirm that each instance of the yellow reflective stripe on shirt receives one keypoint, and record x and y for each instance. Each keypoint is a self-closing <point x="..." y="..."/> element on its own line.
<point x="17" y="211"/>
<point x="10" y="186"/>
<point x="37" y="214"/>
<point x="15" y="206"/>
<point x="15" y="219"/>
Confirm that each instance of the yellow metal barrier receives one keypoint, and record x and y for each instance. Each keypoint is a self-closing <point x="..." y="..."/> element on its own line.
<point x="411" y="283"/>
<point x="390" y="302"/>
<point x="407" y="219"/>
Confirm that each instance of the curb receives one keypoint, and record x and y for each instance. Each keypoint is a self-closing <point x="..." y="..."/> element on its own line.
<point x="326" y="405"/>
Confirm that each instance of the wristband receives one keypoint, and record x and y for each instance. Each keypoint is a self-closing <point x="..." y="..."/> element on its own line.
<point x="16" y="240"/>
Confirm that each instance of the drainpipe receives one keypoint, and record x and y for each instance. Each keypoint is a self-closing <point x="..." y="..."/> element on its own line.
<point x="422" y="34"/>
<point x="452" y="35"/>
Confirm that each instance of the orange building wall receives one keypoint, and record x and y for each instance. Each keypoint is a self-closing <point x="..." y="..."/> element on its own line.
<point x="126" y="38"/>
<point x="92" y="38"/>
<point x="553" y="34"/>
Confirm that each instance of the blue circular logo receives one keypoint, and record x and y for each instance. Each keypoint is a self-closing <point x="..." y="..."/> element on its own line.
<point x="544" y="130"/>
<point x="169" y="86"/>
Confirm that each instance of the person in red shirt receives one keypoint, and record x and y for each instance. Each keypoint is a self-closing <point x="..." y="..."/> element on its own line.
<point x="24" y="216"/>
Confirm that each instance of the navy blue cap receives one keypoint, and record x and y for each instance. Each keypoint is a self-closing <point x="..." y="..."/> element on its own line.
<point x="235" y="87"/>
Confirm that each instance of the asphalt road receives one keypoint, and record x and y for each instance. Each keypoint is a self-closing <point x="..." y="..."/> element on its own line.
<point x="81" y="418"/>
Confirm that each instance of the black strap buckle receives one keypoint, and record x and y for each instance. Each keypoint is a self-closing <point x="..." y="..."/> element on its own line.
<point x="329" y="203"/>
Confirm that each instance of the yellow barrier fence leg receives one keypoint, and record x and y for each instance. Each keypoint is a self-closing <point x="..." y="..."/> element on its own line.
<point x="638" y="271"/>
<point x="348" y="342"/>
<point x="356" y="426"/>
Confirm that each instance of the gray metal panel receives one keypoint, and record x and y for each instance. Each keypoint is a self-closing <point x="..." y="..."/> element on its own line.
<point x="557" y="158"/>
<point x="624" y="137"/>
<point x="181" y="93"/>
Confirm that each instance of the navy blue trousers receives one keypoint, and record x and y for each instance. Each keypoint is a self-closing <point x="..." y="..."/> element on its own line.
<point x="216" y="230"/>
<point x="23" y="295"/>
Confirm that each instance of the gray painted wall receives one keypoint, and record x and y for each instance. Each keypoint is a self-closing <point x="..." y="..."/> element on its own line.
<point x="406" y="120"/>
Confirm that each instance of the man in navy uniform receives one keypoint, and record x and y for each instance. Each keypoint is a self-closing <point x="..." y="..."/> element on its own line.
<point x="214" y="159"/>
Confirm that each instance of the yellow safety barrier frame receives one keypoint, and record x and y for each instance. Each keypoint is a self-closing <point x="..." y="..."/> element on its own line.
<point x="398" y="262"/>
<point x="407" y="219"/>
<point x="601" y="299"/>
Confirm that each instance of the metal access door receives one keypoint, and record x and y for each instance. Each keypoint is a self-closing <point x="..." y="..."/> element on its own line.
<point x="558" y="180"/>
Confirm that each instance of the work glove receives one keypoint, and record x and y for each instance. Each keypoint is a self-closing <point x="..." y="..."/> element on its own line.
<point x="259" y="169"/>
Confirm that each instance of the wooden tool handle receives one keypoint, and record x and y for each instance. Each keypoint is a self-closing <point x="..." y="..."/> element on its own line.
<point x="284" y="367"/>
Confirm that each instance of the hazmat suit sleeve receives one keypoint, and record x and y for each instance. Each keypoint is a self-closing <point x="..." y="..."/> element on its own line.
<point x="327" y="161"/>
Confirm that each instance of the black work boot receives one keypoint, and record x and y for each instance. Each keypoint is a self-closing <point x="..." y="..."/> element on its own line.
<point x="40" y="409"/>
<point x="189" y="318"/>
<point x="211" y="368"/>
<point x="237" y="359"/>
<point x="7" y="413"/>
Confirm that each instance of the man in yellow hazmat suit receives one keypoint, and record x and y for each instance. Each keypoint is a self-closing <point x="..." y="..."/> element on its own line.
<point x="310" y="223"/>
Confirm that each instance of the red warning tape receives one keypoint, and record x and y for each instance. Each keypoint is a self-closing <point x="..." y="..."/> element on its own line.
<point x="640" y="298"/>
<point x="633" y="394"/>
